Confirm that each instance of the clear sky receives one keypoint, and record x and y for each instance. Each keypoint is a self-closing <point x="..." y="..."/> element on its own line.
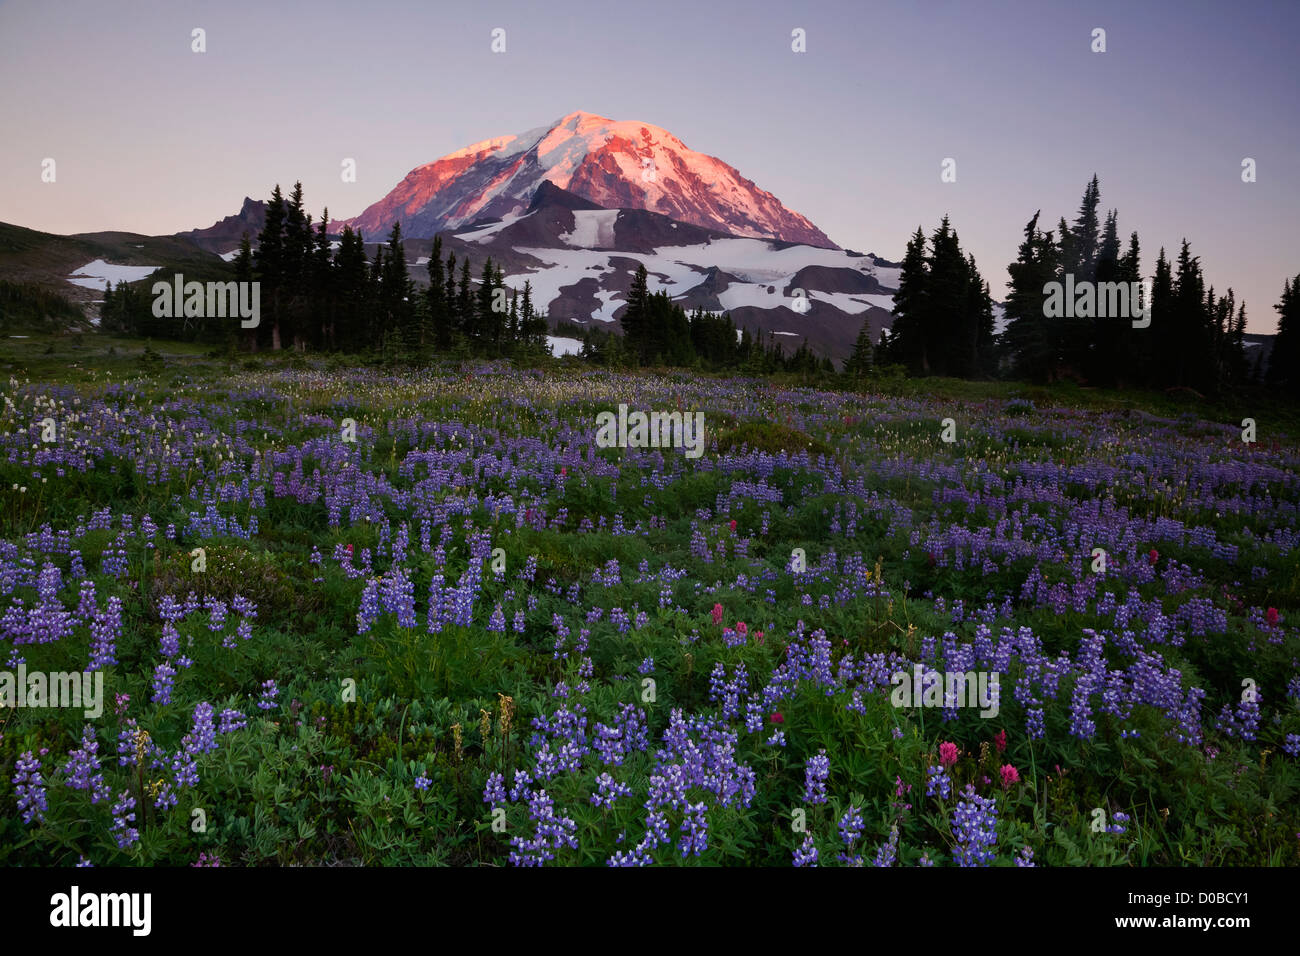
<point x="151" y="137"/>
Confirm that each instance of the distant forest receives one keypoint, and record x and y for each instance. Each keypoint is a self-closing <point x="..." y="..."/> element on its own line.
<point x="342" y="301"/>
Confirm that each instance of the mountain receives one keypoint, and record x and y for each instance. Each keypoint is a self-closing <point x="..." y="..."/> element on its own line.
<point x="224" y="236"/>
<point x="580" y="258"/>
<point x="617" y="165"/>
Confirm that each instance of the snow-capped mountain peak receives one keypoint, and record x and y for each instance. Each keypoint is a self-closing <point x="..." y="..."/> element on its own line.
<point x="615" y="163"/>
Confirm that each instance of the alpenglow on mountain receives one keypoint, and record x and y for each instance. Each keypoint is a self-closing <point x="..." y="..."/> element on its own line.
<point x="618" y="165"/>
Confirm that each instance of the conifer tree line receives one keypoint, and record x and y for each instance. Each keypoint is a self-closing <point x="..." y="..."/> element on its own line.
<point x="323" y="299"/>
<point x="943" y="312"/>
<point x="657" y="331"/>
<point x="1195" y="338"/>
<point x="312" y="298"/>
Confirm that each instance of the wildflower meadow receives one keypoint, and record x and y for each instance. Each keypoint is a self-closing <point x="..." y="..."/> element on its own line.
<point x="353" y="616"/>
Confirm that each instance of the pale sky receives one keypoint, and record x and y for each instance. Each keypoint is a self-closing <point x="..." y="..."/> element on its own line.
<point x="151" y="137"/>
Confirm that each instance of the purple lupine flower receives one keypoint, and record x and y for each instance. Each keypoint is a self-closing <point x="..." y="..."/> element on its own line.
<point x="851" y="826"/>
<point x="231" y="720"/>
<point x="495" y="791"/>
<point x="81" y="771"/>
<point x="369" y="612"/>
<point x="169" y="645"/>
<point x="124" y="814"/>
<point x="164" y="678"/>
<point x="938" y="783"/>
<point x="609" y="790"/>
<point x="887" y="854"/>
<point x="203" y="737"/>
<point x="818" y="769"/>
<point x="29" y="785"/>
<point x="974" y="825"/>
<point x="806" y="853"/>
<point x="550" y="833"/>
<point x="269" y="693"/>
<point x="695" y="830"/>
<point x="105" y="629"/>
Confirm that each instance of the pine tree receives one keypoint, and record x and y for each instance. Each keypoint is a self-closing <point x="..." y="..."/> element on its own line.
<point x="439" y="313"/>
<point x="1238" y="369"/>
<point x="398" y="296"/>
<point x="351" y="289"/>
<point x="465" y="304"/>
<point x="1083" y="234"/>
<point x="859" y="363"/>
<point x="321" y="288"/>
<point x="485" y="314"/>
<point x="1284" y="362"/>
<point x="635" y="316"/>
<point x="1134" y="347"/>
<point x="1030" y="340"/>
<point x="1192" y="343"/>
<point x="244" y="273"/>
<point x="270" y="267"/>
<point x="1162" y="372"/>
<point x="908" y="341"/>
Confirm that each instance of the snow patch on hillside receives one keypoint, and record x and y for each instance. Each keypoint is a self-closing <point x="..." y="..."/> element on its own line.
<point x="478" y="235"/>
<point x="97" y="274"/>
<point x="592" y="229"/>
<point x="559" y="345"/>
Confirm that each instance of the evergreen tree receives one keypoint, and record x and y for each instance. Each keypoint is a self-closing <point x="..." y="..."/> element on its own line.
<point x="352" y="289"/>
<point x="859" y="363"/>
<point x="635" y="316"/>
<point x="1284" y="363"/>
<point x="484" y="332"/>
<point x="1107" y="330"/>
<point x="439" y="313"/>
<point x="908" y="339"/>
<point x="1031" y="340"/>
<point x="1192" y="345"/>
<point x="397" y="298"/>
<point x="1083" y="234"/>
<point x="297" y="242"/>
<point x="1134" y="352"/>
<point x="244" y="273"/>
<point x="271" y="269"/>
<point x="1162" y="371"/>
<point x="465" y="303"/>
